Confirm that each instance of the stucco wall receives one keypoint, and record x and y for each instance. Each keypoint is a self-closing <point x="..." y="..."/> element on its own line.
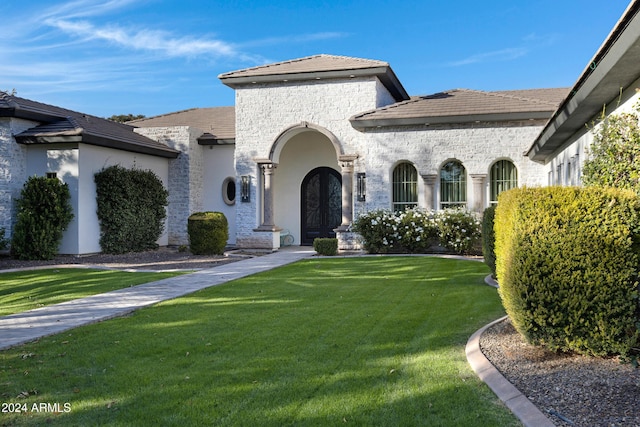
<point x="217" y="166"/>
<point x="76" y="165"/>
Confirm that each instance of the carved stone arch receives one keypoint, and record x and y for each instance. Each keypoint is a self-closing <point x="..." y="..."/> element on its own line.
<point x="291" y="131"/>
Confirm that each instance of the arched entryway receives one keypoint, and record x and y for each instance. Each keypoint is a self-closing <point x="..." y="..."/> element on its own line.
<point x="321" y="204"/>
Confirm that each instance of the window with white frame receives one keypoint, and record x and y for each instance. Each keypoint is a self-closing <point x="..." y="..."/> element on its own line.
<point x="502" y="177"/>
<point x="405" y="186"/>
<point x="453" y="185"/>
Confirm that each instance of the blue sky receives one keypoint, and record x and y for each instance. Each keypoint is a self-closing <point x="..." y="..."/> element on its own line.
<point x="150" y="57"/>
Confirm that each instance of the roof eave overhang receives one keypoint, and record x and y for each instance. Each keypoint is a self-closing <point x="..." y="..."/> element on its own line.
<point x="613" y="69"/>
<point x="19" y="113"/>
<point x="98" y="141"/>
<point x="362" y="124"/>
<point x="216" y="141"/>
<point x="384" y="73"/>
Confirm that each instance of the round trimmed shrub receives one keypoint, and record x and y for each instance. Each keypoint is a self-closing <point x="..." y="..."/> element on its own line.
<point x="208" y="233"/>
<point x="568" y="261"/>
<point x="325" y="246"/>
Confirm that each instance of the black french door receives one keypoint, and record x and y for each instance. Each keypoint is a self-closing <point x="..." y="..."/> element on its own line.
<point x="321" y="204"/>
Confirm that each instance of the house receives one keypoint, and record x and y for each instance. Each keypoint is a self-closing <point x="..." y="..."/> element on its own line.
<point x="312" y="143"/>
<point x="321" y="139"/>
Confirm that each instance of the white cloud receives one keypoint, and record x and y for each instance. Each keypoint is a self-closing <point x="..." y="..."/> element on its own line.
<point x="508" y="54"/>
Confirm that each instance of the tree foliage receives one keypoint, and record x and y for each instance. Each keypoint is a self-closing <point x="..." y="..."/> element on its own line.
<point x="614" y="157"/>
<point x="123" y="118"/>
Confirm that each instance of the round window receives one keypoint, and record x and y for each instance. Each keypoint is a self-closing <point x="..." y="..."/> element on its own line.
<point x="229" y="191"/>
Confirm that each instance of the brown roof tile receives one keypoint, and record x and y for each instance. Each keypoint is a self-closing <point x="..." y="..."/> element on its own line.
<point x="217" y="123"/>
<point x="308" y="64"/>
<point x="315" y="68"/>
<point x="62" y="125"/>
<point x="465" y="105"/>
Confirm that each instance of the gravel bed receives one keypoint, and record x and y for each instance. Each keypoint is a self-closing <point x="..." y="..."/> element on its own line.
<point x="572" y="390"/>
<point x="165" y="258"/>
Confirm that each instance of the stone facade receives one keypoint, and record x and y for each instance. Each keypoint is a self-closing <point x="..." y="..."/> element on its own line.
<point x="264" y="112"/>
<point x="311" y="119"/>
<point x="186" y="174"/>
<point x="13" y="169"/>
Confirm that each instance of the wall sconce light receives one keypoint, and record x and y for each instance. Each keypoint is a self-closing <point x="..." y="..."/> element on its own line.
<point x="361" y="186"/>
<point x="245" y="188"/>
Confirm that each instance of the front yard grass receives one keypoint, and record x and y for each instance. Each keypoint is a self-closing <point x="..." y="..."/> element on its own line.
<point x="26" y="290"/>
<point x="325" y="341"/>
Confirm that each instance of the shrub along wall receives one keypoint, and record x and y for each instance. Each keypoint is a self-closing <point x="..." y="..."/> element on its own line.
<point x="567" y="264"/>
<point x="44" y="212"/>
<point x="418" y="231"/>
<point x="131" y="209"/>
<point x="208" y="233"/>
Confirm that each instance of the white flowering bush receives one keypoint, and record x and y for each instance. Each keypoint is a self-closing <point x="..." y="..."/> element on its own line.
<point x="458" y="230"/>
<point x="417" y="231"/>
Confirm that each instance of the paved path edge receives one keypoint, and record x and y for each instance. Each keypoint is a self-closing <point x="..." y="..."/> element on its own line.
<point x="518" y="403"/>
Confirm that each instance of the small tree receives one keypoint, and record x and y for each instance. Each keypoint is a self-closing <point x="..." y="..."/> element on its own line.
<point x="44" y="212"/>
<point x="615" y="153"/>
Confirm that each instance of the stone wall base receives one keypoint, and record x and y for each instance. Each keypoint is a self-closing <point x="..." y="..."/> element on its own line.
<point x="260" y="240"/>
<point x="348" y="241"/>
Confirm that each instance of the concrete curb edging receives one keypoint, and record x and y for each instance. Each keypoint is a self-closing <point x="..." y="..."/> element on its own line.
<point x="517" y="402"/>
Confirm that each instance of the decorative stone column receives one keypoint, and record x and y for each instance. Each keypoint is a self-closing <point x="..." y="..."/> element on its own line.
<point x="267" y="234"/>
<point x="347" y="239"/>
<point x="268" y="171"/>
<point x="478" y="191"/>
<point x="429" y="191"/>
<point x="346" y="166"/>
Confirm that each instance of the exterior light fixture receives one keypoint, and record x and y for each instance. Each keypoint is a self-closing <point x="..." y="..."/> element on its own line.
<point x="361" y="186"/>
<point x="245" y="188"/>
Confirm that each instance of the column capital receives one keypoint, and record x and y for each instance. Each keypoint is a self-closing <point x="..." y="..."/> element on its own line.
<point x="348" y="157"/>
<point x="429" y="179"/>
<point x="479" y="177"/>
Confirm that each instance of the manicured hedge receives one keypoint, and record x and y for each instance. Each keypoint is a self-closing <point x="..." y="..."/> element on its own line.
<point x="208" y="233"/>
<point x="44" y="212"/>
<point x="567" y="263"/>
<point x="131" y="209"/>
<point x="325" y="246"/>
<point x="489" y="238"/>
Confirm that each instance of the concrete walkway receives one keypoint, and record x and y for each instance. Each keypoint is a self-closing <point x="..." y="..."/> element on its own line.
<point x="30" y="325"/>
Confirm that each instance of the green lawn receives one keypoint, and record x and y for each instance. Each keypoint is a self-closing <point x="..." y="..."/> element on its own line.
<point x="26" y="290"/>
<point x="325" y="341"/>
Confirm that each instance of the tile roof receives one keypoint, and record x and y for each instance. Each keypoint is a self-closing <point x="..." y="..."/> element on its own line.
<point x="318" y="67"/>
<point x="463" y="106"/>
<point x="62" y="125"/>
<point x="309" y="64"/>
<point x="217" y="123"/>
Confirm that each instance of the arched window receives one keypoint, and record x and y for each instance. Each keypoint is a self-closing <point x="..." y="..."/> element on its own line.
<point x="405" y="187"/>
<point x="503" y="177"/>
<point x="453" y="185"/>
